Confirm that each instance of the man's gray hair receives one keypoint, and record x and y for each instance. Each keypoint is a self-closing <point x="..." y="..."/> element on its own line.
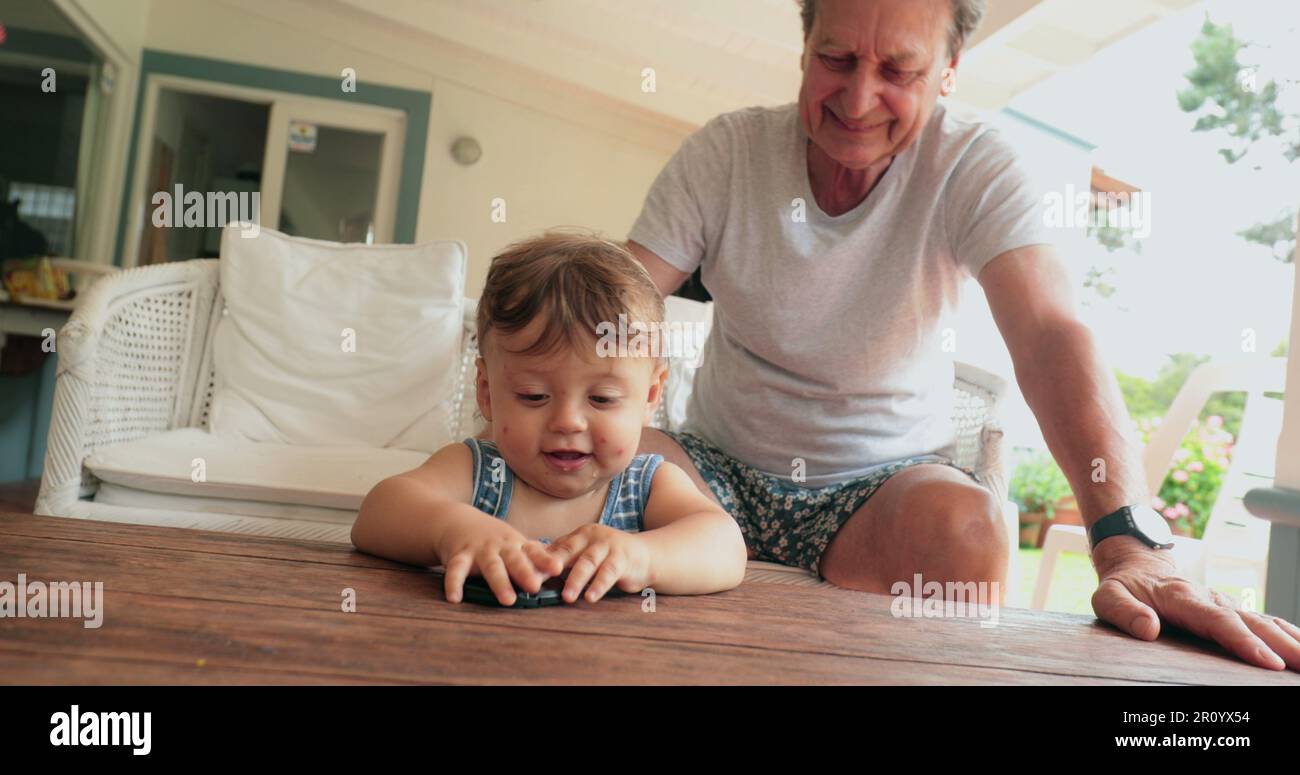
<point x="966" y="15"/>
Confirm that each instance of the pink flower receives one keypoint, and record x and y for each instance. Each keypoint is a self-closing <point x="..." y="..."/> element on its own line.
<point x="1180" y="476"/>
<point x="1182" y="510"/>
<point x="1196" y="466"/>
<point x="1157" y="503"/>
<point x="1170" y="513"/>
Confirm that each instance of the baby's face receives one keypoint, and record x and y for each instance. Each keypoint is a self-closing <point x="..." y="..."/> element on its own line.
<point x="569" y="421"/>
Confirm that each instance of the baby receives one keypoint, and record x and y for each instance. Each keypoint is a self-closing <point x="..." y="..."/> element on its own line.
<point x="558" y="460"/>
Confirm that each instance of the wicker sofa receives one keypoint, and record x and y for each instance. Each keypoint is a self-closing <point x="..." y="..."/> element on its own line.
<point x="135" y="382"/>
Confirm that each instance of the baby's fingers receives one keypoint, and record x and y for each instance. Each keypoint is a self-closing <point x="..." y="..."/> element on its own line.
<point x="494" y="572"/>
<point x="568" y="548"/>
<point x="521" y="570"/>
<point x="583" y="569"/>
<point x="611" y="570"/>
<point x="454" y="572"/>
<point x="546" y="562"/>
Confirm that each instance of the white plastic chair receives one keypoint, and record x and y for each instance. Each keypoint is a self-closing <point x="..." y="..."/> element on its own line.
<point x="1234" y="550"/>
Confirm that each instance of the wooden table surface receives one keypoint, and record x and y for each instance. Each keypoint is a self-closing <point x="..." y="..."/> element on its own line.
<point x="185" y="606"/>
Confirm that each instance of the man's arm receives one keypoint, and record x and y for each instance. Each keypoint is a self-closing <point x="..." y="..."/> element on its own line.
<point x="1079" y="407"/>
<point x="1064" y="379"/>
<point x="667" y="277"/>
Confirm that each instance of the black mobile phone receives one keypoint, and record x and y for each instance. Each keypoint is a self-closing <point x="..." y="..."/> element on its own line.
<point x="478" y="591"/>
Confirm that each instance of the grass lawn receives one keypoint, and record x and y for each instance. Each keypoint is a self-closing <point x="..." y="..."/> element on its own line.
<point x="1075" y="581"/>
<point x="1072" y="584"/>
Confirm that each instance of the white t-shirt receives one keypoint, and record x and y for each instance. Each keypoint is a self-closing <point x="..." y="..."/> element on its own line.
<point x="828" y="337"/>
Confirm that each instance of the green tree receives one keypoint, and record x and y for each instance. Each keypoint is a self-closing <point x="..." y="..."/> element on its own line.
<point x="1247" y="111"/>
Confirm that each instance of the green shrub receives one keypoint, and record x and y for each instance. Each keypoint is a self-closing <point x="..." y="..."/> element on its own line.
<point x="1037" y="483"/>
<point x="1189" y="491"/>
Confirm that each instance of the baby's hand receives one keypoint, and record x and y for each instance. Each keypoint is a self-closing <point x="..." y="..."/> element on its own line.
<point x="612" y="556"/>
<point x="498" y="552"/>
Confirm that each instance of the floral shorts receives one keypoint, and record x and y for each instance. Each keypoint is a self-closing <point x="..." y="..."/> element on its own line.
<point x="783" y="521"/>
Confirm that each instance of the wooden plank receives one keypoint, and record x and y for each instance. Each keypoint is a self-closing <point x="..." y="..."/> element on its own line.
<point x="21" y="666"/>
<point x="150" y="630"/>
<point x="776" y="617"/>
<point x="185" y="539"/>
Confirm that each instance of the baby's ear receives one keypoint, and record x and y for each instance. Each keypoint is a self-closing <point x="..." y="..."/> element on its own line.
<point x="658" y="378"/>
<point x="481" y="393"/>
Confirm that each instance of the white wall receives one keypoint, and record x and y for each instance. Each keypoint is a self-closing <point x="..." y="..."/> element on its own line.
<point x="122" y="22"/>
<point x="548" y="171"/>
<point x="555" y="154"/>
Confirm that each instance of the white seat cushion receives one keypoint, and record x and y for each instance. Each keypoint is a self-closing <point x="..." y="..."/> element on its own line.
<point x="332" y="477"/>
<point x="129" y="497"/>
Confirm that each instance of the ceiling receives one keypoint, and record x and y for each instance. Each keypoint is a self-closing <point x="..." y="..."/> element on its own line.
<point x="35" y="15"/>
<point x="709" y="57"/>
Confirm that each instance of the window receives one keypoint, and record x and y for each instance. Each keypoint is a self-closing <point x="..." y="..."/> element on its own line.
<point x="49" y="210"/>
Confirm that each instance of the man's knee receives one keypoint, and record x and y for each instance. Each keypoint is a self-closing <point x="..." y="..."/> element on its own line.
<point x="959" y="530"/>
<point x="928" y="520"/>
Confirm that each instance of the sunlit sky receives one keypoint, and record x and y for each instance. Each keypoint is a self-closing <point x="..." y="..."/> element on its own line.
<point x="1193" y="266"/>
<point x="1196" y="285"/>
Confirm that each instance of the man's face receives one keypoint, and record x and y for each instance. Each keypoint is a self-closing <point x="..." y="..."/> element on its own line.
<point x="871" y="75"/>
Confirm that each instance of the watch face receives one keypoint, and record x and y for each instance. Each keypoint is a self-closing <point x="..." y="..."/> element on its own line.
<point x="1149" y="521"/>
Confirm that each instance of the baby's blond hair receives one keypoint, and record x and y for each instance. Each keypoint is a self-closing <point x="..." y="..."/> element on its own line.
<point x="576" y="280"/>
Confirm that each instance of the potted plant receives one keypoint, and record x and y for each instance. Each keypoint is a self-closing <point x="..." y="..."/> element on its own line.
<point x="1043" y="494"/>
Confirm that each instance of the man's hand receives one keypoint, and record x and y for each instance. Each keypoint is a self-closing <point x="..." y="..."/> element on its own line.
<point x="611" y="556"/>
<point x="1139" y="587"/>
<point x="495" y="550"/>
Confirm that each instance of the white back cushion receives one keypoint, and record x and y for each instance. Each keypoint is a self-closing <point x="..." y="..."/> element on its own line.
<point x="323" y="343"/>
<point x="696" y="319"/>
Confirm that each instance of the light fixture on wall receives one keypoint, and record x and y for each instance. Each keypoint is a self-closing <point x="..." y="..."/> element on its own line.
<point x="466" y="150"/>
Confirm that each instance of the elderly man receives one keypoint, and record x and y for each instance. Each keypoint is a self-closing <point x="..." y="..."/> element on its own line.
<point x="835" y="235"/>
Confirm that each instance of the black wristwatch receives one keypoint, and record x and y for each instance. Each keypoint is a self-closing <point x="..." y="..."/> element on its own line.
<point x="1142" y="522"/>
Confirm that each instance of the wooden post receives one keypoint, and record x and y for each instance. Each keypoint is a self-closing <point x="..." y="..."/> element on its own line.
<point x="1281" y="503"/>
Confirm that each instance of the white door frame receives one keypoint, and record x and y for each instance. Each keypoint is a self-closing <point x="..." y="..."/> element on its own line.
<point x="355" y="116"/>
<point x="121" y="68"/>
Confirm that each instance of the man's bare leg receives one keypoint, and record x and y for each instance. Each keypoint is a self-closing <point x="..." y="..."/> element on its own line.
<point x="654" y="441"/>
<point x="928" y="519"/>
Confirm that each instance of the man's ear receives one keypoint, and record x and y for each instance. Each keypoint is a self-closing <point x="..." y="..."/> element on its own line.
<point x="657" y="380"/>
<point x="482" y="395"/>
<point x="950" y="72"/>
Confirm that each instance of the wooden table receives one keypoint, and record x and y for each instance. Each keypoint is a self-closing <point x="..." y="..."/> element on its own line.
<point x="183" y="606"/>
